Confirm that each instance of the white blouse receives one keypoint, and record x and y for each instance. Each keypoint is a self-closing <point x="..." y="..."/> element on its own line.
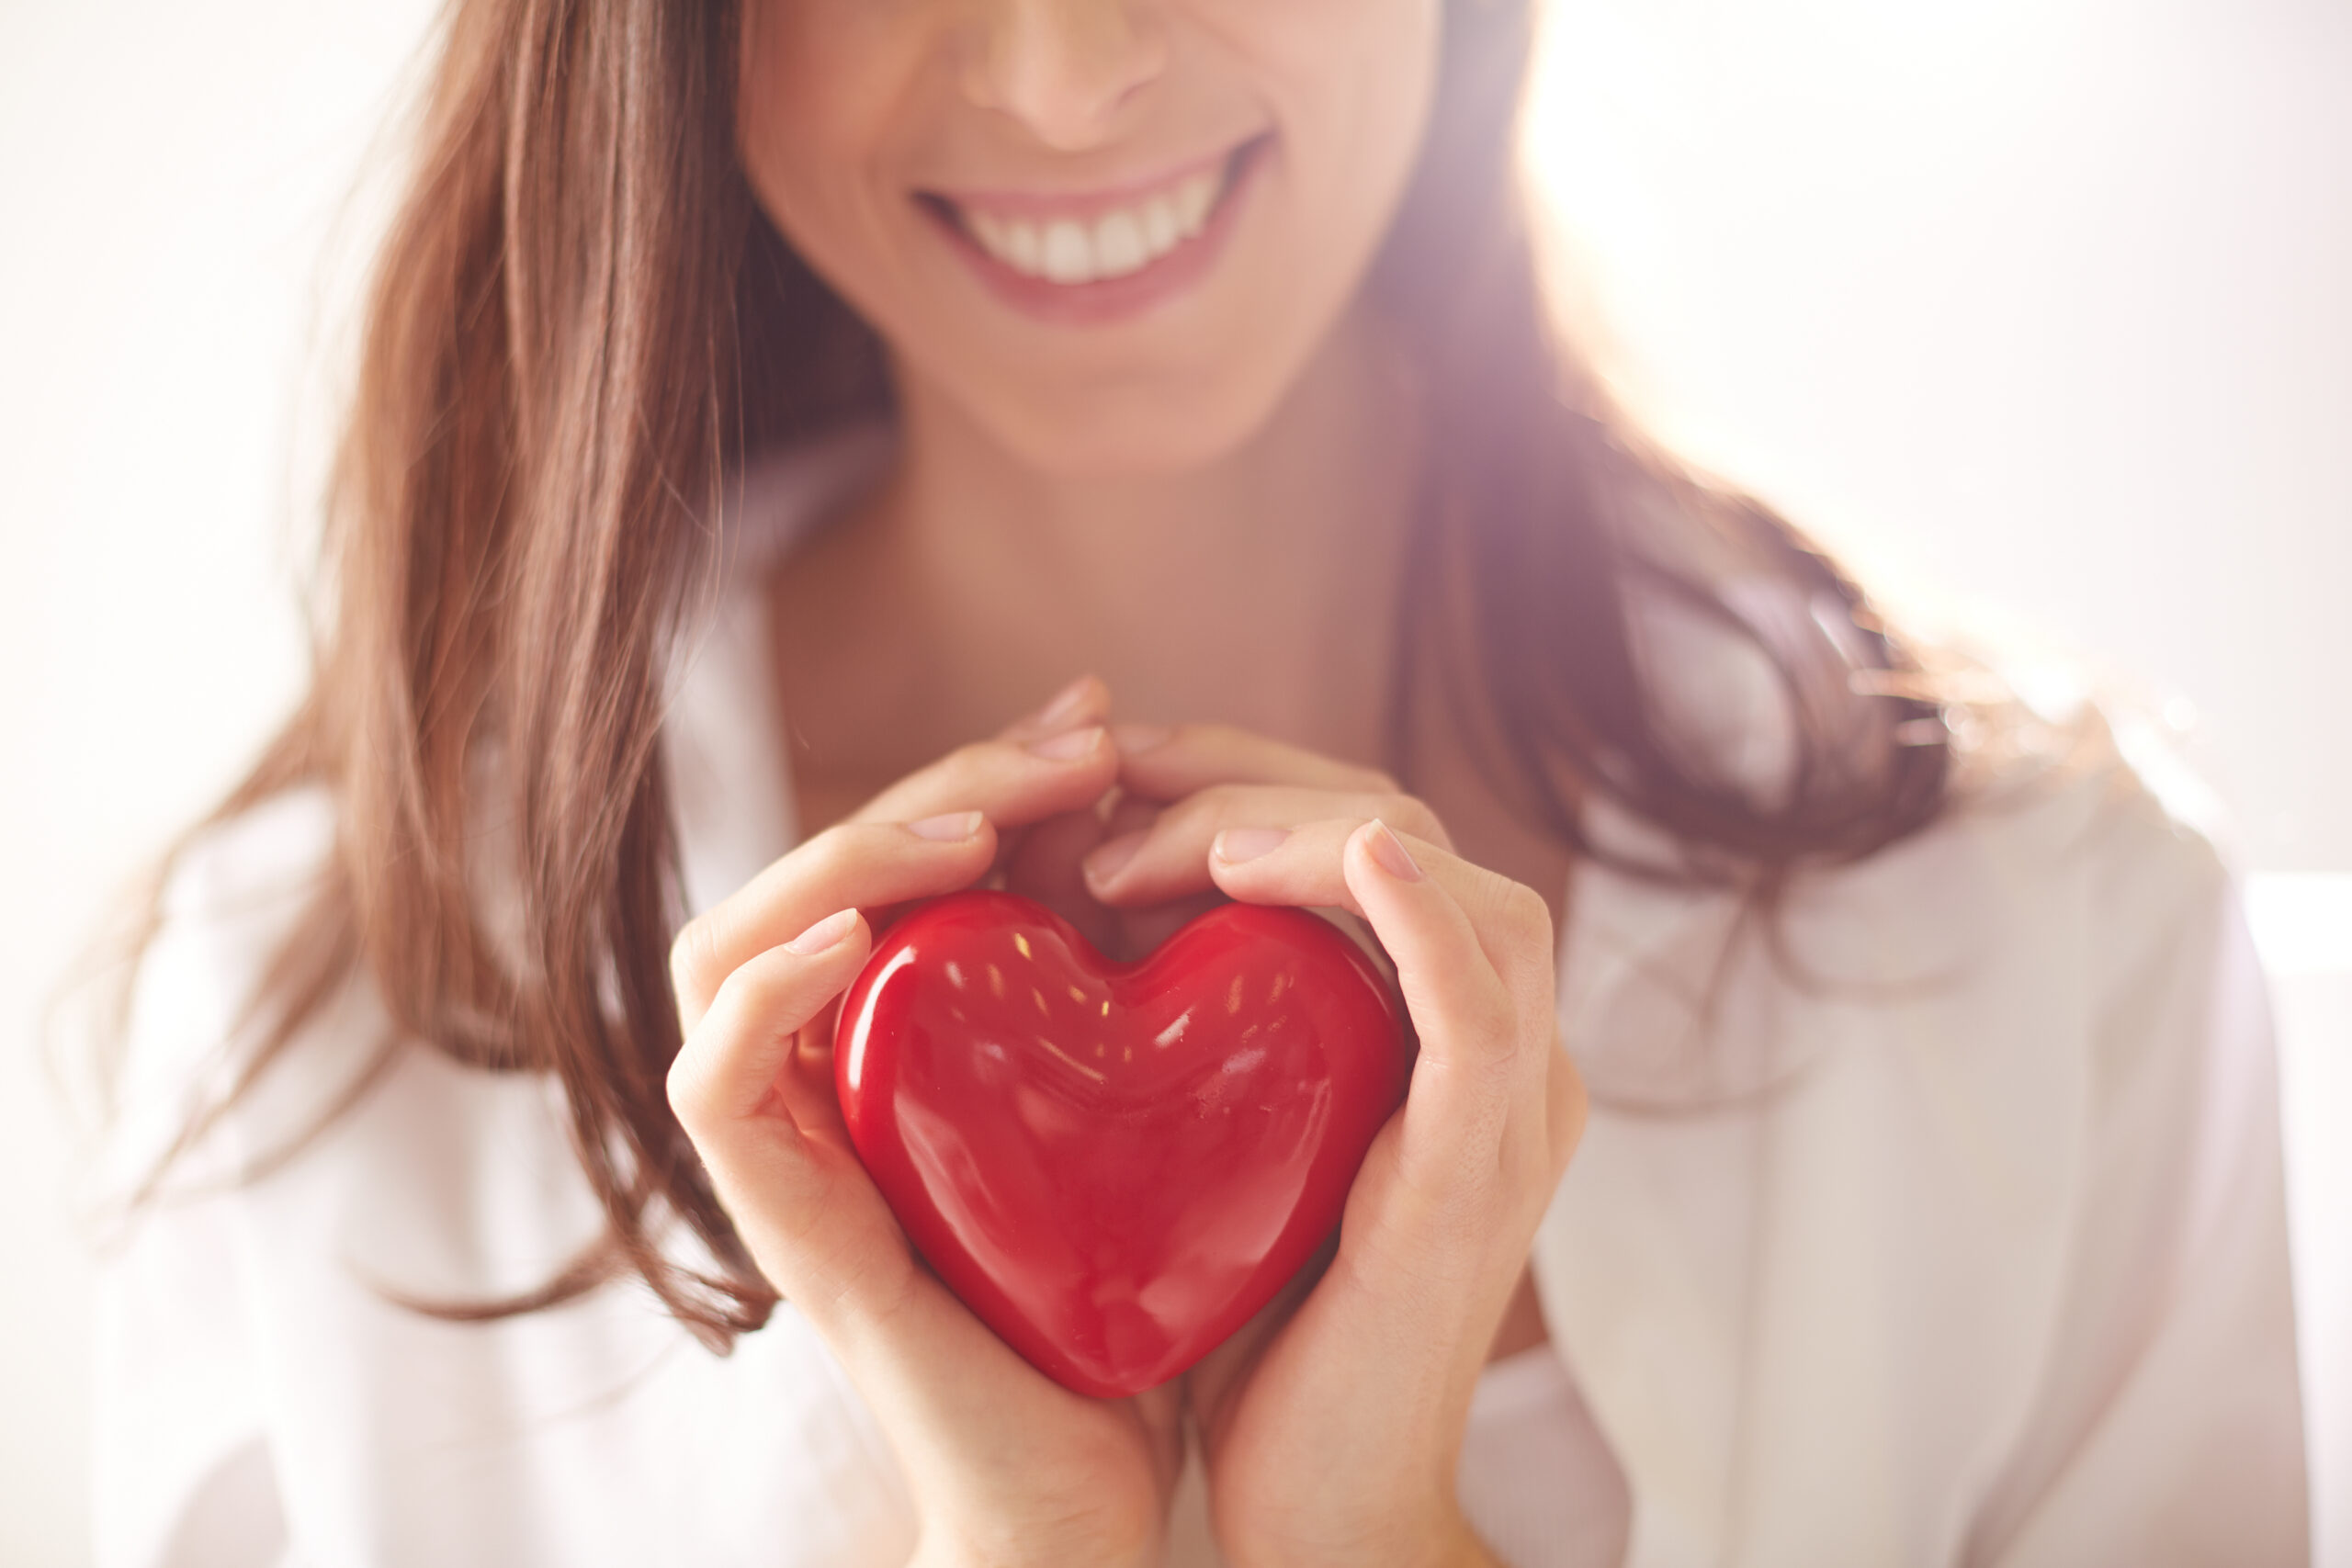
<point x="1954" y="1234"/>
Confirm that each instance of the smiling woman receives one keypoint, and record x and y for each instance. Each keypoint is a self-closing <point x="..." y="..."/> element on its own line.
<point x="762" y="405"/>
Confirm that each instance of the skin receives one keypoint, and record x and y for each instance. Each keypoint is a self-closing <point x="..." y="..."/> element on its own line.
<point x="1204" y="504"/>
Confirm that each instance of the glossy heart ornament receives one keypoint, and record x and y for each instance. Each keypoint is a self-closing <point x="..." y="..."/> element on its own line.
<point x="1114" y="1164"/>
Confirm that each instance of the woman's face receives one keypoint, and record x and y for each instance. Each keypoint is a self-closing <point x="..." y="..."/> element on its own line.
<point x="1112" y="232"/>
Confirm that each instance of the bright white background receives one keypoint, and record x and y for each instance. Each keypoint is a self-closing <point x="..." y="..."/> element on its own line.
<point x="2040" y="307"/>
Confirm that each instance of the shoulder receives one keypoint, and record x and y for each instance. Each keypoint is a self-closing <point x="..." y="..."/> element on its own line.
<point x="258" y="1325"/>
<point x="2076" y="852"/>
<point x="1929" y="1161"/>
<point x="2076" y="825"/>
<point x="236" y="899"/>
<point x="240" y="882"/>
<point x="263" y="1062"/>
<point x="231" y="898"/>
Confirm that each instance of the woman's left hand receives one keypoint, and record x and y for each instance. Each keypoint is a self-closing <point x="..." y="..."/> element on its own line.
<point x="1332" y="1434"/>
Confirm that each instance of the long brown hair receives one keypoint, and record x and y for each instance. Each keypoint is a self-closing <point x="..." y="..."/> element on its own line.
<point x="582" y="323"/>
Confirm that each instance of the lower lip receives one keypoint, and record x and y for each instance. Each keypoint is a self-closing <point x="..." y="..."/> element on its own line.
<point x="1112" y="299"/>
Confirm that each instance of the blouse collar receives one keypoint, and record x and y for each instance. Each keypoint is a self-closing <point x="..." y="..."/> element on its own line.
<point x="731" y="786"/>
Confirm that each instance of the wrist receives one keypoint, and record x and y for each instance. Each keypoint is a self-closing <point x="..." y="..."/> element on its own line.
<point x="1436" y="1538"/>
<point x="948" y="1549"/>
<point x="1464" y="1549"/>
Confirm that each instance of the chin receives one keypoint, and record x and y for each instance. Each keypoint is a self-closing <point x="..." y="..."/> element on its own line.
<point x="1144" y="433"/>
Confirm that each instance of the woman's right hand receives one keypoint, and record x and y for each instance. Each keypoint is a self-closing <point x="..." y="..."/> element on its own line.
<point x="1006" y="1466"/>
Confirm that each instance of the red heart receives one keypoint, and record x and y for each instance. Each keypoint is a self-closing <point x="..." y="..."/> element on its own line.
<point x="1116" y="1165"/>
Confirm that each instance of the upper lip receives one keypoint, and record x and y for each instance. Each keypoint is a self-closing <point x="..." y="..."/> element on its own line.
<point x="1033" y="203"/>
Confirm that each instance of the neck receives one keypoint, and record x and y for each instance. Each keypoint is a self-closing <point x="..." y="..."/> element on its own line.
<point x="1259" y="590"/>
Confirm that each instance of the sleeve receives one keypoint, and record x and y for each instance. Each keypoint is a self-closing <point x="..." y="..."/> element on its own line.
<point x="2169" y="1428"/>
<point x="181" y="1466"/>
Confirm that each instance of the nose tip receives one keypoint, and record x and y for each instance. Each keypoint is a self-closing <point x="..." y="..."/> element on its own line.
<point x="1064" y="68"/>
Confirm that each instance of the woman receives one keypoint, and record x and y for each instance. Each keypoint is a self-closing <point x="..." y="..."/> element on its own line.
<point x="1929" y="1210"/>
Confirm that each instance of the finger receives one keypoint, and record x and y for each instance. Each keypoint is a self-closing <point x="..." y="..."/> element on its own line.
<point x="1163" y="763"/>
<point x="1226" y="1369"/>
<point x="792" y="1184"/>
<point x="1015" y="781"/>
<point x="1457" y="933"/>
<point x="1443" y="970"/>
<point x="1129" y="812"/>
<point x="1305" y="867"/>
<point x="1171" y="858"/>
<point x="730" y="1064"/>
<point x="1083" y="702"/>
<point x="1566" y="1107"/>
<point x="853" y="865"/>
<point x="1471" y="1144"/>
<point x="1473" y="1130"/>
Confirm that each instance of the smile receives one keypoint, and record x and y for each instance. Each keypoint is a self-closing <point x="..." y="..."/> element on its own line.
<point x="1098" y="254"/>
<point x="1126" y="239"/>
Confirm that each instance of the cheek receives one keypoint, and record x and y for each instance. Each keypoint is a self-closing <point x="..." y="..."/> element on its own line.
<point x="1348" y="85"/>
<point x="1353" y="80"/>
<point x="820" y="103"/>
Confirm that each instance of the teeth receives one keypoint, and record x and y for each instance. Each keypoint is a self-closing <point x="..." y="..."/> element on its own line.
<point x="1118" y="245"/>
<point x="1070" y="254"/>
<point x="1161" y="230"/>
<point x="1120" y="242"/>
<point x="1194" y="199"/>
<point x="1022" y="249"/>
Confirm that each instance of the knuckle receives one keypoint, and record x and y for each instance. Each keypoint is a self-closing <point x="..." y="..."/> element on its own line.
<point x="1379" y="780"/>
<point x="1569" y="1107"/>
<point x="694" y="954"/>
<point x="1526" y="915"/>
<point x="1412" y="814"/>
<point x="1213" y="803"/>
<point x="954" y="778"/>
<point x="685" y="1088"/>
<point x="830" y="853"/>
<point x="1200" y="814"/>
<point x="1223" y="738"/>
<point x="1495" y="1022"/>
<point x="1523" y="1157"/>
<point x="974" y="758"/>
<point x="1568" y="1130"/>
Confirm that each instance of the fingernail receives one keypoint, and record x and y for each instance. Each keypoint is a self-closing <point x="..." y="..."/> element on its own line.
<point x="1069" y="745"/>
<point x="953" y="827"/>
<point x="825" y="933"/>
<point x="1237" y="844"/>
<point x="1065" y="707"/>
<point x="1389" y="852"/>
<point x="1135" y="740"/>
<point x="1109" y="858"/>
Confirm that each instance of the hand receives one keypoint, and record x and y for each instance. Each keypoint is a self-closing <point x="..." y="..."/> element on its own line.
<point x="1332" y="1433"/>
<point x="1005" y="1465"/>
<point x="1046" y="860"/>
